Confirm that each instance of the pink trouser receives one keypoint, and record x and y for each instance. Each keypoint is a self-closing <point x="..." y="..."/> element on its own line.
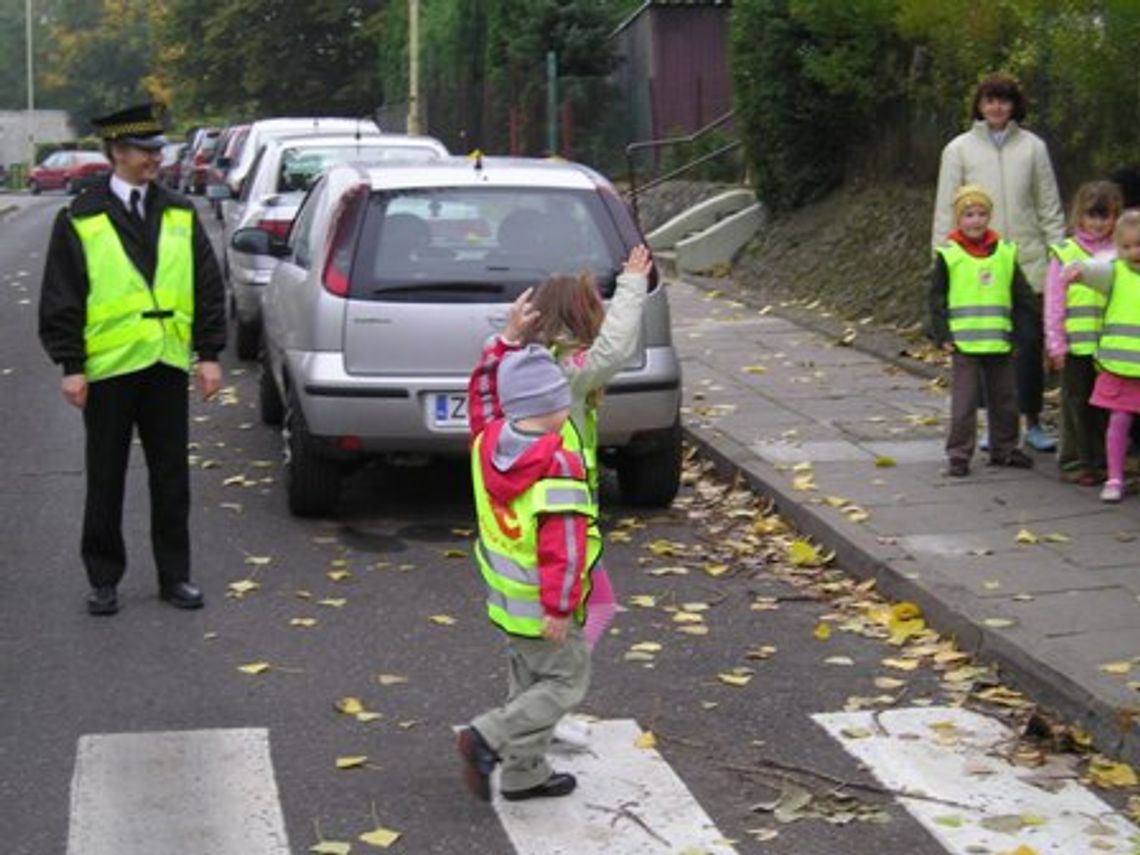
<point x="1116" y="443"/>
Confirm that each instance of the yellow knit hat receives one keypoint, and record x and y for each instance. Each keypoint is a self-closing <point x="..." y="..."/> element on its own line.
<point x="971" y="194"/>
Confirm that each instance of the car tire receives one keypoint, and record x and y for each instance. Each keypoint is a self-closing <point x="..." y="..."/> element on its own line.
<point x="247" y="339"/>
<point x="34" y="187"/>
<point x="312" y="483"/>
<point x="651" y="478"/>
<point x="269" y="403"/>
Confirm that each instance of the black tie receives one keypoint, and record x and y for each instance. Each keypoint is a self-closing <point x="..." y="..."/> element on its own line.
<point x="136" y="207"/>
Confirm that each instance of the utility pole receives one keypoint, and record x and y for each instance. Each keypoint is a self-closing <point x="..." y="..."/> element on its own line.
<point x="551" y="103"/>
<point x="415" y="125"/>
<point x="31" y="85"/>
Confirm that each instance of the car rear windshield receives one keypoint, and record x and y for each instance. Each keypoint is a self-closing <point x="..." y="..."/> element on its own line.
<point x="300" y="165"/>
<point x="89" y="157"/>
<point x="481" y="244"/>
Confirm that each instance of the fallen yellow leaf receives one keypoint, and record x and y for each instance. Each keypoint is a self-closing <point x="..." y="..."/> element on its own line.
<point x="1106" y="774"/>
<point x="647" y="646"/>
<point x="645" y="740"/>
<point x="243" y="587"/>
<point x="694" y="629"/>
<point x="901" y="664"/>
<point x="822" y="631"/>
<point x="339" y="575"/>
<point x="442" y="620"/>
<point x="884" y="462"/>
<point x="332" y="602"/>
<point x="453" y="553"/>
<point x="687" y="617"/>
<point x="754" y="369"/>
<point x="716" y="569"/>
<point x="257" y="560"/>
<point x="735" y="679"/>
<point x="305" y="622"/>
<point x="254" y="668"/>
<point x="645" y="601"/>
<point x="331" y="847"/>
<point x="381" y="837"/>
<point x="350" y="706"/>
<point x="1026" y="536"/>
<point x="1116" y="667"/>
<point x="353" y="761"/>
<point x="803" y="554"/>
<point x="390" y="679"/>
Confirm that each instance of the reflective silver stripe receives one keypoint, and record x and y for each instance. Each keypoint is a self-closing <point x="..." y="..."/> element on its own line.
<point x="1082" y="336"/>
<point x="979" y="312"/>
<point x="572" y="560"/>
<point x="1122" y="329"/>
<point x="516" y="608"/>
<point x="1083" y="312"/>
<point x="1118" y="355"/>
<point x="568" y="497"/>
<point x="505" y="567"/>
<point x="981" y="335"/>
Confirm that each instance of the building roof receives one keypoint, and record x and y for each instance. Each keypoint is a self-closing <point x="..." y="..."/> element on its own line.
<point x="633" y="16"/>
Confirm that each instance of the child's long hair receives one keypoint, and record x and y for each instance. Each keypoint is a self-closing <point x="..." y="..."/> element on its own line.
<point x="570" y="312"/>
<point x="1095" y="197"/>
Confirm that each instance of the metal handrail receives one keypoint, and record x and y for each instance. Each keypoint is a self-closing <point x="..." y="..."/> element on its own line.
<point x="641" y="145"/>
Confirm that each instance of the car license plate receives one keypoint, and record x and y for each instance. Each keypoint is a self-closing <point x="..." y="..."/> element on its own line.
<point x="448" y="410"/>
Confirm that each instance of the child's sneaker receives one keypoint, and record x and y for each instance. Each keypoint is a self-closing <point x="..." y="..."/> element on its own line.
<point x="1113" y="491"/>
<point x="957" y="468"/>
<point x="572" y="732"/>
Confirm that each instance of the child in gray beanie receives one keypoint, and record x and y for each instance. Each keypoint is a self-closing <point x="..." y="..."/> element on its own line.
<point x="534" y="505"/>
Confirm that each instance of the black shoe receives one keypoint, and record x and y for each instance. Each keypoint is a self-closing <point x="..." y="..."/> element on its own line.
<point x="182" y="595"/>
<point x="957" y="468"/>
<point x="558" y="784"/>
<point x="102" y="600"/>
<point x="479" y="761"/>
<point x="1016" y="459"/>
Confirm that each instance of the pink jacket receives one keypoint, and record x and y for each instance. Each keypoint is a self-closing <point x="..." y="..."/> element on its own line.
<point x="1055" y="341"/>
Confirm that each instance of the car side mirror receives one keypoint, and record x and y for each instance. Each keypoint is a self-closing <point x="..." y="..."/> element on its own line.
<point x="218" y="192"/>
<point x="259" y="242"/>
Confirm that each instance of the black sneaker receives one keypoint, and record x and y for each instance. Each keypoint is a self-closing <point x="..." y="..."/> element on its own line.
<point x="957" y="468"/>
<point x="1016" y="459"/>
<point x="558" y="784"/>
<point x="102" y="601"/>
<point x="478" y="762"/>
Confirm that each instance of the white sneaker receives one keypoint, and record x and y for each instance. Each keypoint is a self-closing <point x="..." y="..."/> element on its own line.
<point x="1113" y="491"/>
<point x="572" y="732"/>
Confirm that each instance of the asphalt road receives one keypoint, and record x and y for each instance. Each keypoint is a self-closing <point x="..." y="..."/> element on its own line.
<point x="151" y="668"/>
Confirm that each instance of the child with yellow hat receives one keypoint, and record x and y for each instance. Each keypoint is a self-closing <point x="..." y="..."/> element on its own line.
<point x="977" y="293"/>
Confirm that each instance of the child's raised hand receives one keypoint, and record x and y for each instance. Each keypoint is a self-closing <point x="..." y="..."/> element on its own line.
<point x="640" y="262"/>
<point x="1072" y="273"/>
<point x="522" y="316"/>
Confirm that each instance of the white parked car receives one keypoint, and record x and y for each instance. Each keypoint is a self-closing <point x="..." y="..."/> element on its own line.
<point x="277" y="182"/>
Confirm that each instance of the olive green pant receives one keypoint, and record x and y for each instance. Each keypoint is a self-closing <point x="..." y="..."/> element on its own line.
<point x="546" y="681"/>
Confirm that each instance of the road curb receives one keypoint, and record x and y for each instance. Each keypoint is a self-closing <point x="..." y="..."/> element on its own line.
<point x="1011" y="650"/>
<point x="7" y="209"/>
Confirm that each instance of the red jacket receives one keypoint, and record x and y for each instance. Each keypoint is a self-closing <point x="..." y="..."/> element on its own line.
<point x="561" y="537"/>
<point x="483" y="387"/>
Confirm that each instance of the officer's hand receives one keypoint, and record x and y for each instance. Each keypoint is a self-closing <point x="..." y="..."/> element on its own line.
<point x="208" y="379"/>
<point x="74" y="388"/>
<point x="554" y="628"/>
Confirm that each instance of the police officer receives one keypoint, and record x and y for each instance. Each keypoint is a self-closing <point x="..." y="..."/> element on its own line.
<point x="131" y="292"/>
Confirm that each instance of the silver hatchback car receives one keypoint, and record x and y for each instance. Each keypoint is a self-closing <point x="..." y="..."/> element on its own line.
<point x="391" y="281"/>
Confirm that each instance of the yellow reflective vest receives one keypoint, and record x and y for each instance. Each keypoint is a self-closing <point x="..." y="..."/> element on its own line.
<point x="507" y="548"/>
<point x="130" y="325"/>
<point x="980" y="298"/>
<point x="1084" y="307"/>
<point x="1119" y="348"/>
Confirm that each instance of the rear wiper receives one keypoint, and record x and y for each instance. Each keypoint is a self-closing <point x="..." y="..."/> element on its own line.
<point x="477" y="287"/>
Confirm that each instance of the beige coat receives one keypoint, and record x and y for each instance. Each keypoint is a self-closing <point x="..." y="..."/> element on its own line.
<point x="1019" y="177"/>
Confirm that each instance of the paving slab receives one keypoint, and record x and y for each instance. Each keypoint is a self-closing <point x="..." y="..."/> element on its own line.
<point x="1047" y="613"/>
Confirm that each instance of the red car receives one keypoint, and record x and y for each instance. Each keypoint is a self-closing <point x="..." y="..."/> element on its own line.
<point x="68" y="170"/>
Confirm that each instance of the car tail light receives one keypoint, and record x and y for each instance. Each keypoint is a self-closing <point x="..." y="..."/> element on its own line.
<point x="350" y="443"/>
<point x="342" y="240"/>
<point x="278" y="228"/>
<point x="200" y="158"/>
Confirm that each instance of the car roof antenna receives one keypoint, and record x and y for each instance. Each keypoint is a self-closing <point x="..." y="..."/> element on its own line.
<point x="477" y="156"/>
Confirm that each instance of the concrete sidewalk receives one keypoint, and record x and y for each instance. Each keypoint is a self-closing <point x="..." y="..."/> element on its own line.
<point x="763" y="395"/>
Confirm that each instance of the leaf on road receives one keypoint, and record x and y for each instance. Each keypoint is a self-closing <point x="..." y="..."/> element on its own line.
<point x="737" y="677"/>
<point x="838" y="660"/>
<point x="688" y="617"/>
<point x="804" y="483"/>
<point x="231" y="506"/>
<point x="715" y="570"/>
<point x="1026" y="536"/>
<point x="998" y="622"/>
<point x="761" y="652"/>
<point x="668" y="571"/>
<point x="884" y="462"/>
<point x="454" y="553"/>
<point x="822" y="631"/>
<point x="1108" y="775"/>
<point x="349" y="706"/>
<point x="645" y="601"/>
<point x="1116" y="667"/>
<point x="856" y="733"/>
<point x="303" y="622"/>
<point x="258" y="560"/>
<point x="242" y="587"/>
<point x="888" y="683"/>
<point x="754" y="369"/>
<point x="694" y="629"/>
<point x="949" y="821"/>
<point x="391" y="679"/>
<point x="901" y="664"/>
<point x="331" y="847"/>
<point x="803" y="554"/>
<point x="333" y="602"/>
<point x="339" y="575"/>
<point x="442" y="620"/>
<point x="380" y="837"/>
<point x="645" y="740"/>
<point x="646" y="647"/>
<point x="351" y="761"/>
<point x="254" y="668"/>
<point x="1056" y="537"/>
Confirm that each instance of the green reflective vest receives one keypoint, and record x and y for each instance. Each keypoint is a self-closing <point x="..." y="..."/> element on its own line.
<point x="1084" y="307"/>
<point x="130" y="325"/>
<point x="981" y="298"/>
<point x="507" y="548"/>
<point x="1119" y="348"/>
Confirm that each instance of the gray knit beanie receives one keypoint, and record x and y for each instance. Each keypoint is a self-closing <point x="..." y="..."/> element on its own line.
<point x="531" y="384"/>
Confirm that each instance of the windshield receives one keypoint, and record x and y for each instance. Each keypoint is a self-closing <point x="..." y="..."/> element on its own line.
<point x="481" y="244"/>
<point x="300" y="165"/>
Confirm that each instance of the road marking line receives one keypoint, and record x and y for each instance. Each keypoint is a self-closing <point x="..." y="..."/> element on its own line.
<point x="949" y="753"/>
<point x="613" y="774"/>
<point x="199" y="792"/>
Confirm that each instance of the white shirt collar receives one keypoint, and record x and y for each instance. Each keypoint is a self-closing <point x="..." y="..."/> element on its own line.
<point x="123" y="189"/>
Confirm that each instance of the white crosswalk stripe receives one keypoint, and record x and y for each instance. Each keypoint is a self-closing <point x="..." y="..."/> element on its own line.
<point x="976" y="801"/>
<point x="628" y="800"/>
<point x="201" y="792"/>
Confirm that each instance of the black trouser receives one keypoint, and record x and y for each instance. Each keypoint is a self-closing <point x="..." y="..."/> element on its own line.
<point x="155" y="401"/>
<point x="1029" y="344"/>
<point x="1082" y="425"/>
<point x="968" y="372"/>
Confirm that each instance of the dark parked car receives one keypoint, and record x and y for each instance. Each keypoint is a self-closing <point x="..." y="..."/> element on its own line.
<point x="226" y="152"/>
<point x="68" y="170"/>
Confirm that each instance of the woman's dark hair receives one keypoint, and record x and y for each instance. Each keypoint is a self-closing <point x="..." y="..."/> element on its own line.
<point x="1000" y="85"/>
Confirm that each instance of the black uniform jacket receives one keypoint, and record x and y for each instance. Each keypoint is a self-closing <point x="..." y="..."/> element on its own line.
<point x="63" y="295"/>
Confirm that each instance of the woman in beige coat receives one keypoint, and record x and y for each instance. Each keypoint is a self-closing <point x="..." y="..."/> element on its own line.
<point x="1013" y="166"/>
